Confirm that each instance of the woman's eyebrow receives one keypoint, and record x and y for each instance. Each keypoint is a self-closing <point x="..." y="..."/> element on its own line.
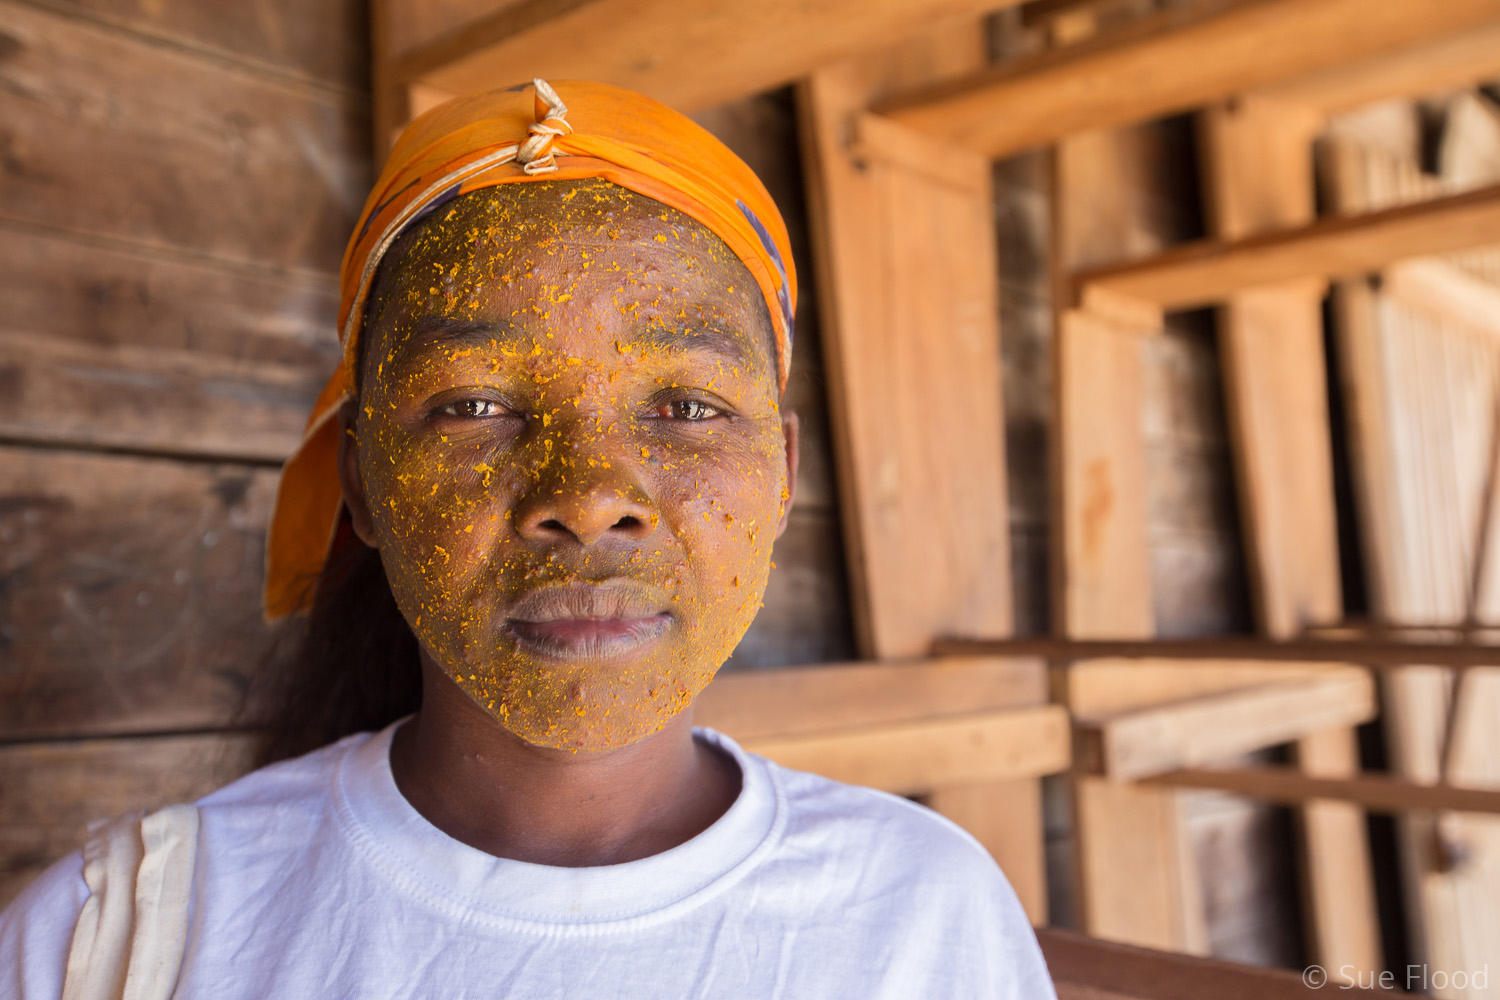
<point x="445" y="332"/>
<point x="727" y="344"/>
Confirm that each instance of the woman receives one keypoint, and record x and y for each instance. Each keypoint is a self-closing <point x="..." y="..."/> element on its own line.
<point x="552" y="467"/>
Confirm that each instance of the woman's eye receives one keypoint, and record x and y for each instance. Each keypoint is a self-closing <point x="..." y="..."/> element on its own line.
<point x="471" y="408"/>
<point x="687" y="409"/>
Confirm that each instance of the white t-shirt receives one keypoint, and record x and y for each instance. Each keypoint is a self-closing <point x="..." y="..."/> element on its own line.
<point x="316" y="878"/>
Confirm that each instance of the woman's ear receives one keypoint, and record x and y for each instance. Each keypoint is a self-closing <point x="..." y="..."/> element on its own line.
<point x="349" y="478"/>
<point x="790" y="426"/>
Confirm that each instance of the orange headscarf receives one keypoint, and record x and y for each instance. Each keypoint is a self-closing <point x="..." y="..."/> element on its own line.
<point x="578" y="130"/>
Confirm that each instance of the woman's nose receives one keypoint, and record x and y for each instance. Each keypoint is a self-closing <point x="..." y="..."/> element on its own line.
<point x="586" y="505"/>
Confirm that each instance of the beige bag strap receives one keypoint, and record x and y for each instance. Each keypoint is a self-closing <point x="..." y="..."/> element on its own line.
<point x="130" y="936"/>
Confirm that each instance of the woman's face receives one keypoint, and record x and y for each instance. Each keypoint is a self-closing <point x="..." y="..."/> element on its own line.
<point x="571" y="454"/>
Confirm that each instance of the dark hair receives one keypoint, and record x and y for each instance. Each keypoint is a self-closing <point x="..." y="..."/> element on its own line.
<point x="347" y="665"/>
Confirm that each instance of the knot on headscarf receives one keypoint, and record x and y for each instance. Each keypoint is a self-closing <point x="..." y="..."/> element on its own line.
<point x="535" y="154"/>
<point x="506" y="137"/>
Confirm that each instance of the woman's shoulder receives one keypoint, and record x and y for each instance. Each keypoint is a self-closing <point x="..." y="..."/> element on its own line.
<point x="885" y="837"/>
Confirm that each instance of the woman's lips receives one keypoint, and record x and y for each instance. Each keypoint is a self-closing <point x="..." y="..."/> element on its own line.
<point x="588" y="620"/>
<point x="589" y="638"/>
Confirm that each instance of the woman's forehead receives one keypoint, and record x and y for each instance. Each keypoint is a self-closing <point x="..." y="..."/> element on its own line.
<point x="495" y="245"/>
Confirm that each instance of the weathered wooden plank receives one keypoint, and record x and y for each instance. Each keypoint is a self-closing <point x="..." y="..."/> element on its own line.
<point x="129" y="591"/>
<point x="689" y="55"/>
<point x="98" y="292"/>
<point x="1198" y="731"/>
<point x="112" y="135"/>
<point x="1183" y="57"/>
<point x="1211" y="271"/>
<point x="910" y="316"/>
<point x="913" y="758"/>
<point x="52" y="790"/>
<point x="323" y="40"/>
<point x="808" y="700"/>
<point x="150" y="399"/>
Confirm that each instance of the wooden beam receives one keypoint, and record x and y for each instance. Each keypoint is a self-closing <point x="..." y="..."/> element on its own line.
<point x="1432" y="66"/>
<point x="1210" y="271"/>
<point x="1085" y="968"/>
<point x="918" y="757"/>
<point x="689" y="55"/>
<point x="801" y="701"/>
<point x="1180" y="58"/>
<point x="1383" y="655"/>
<point x="1006" y="817"/>
<point x="907" y="277"/>
<point x="1198" y="731"/>
<point x="1375" y="793"/>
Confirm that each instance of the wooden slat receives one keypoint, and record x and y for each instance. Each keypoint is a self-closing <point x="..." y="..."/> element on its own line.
<point x="133" y="591"/>
<point x="321" y="40"/>
<point x="917" y="757"/>
<point x="190" y="154"/>
<point x="800" y="701"/>
<point x="1377" y="793"/>
<point x="1199" y="731"/>
<point x="1430" y="67"/>
<point x="1392" y="654"/>
<point x="148" y="399"/>
<point x="1181" y="58"/>
<point x="1084" y="968"/>
<point x="689" y="55"/>
<point x="908" y="287"/>
<point x="91" y="291"/>
<point x="1211" y="271"/>
<point x="52" y="790"/>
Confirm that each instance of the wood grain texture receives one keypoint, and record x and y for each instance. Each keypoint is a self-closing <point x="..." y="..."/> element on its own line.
<point x="1182" y="57"/>
<point x="687" y="55"/>
<point x="1375" y="792"/>
<point x="150" y="399"/>
<point x="88" y="291"/>
<point x="907" y="282"/>
<point x="129" y="591"/>
<point x="52" y="790"/>
<point x="196" y="156"/>
<point x="321" y="40"/>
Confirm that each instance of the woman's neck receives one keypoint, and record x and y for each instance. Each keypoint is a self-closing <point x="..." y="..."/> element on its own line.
<point x="484" y="786"/>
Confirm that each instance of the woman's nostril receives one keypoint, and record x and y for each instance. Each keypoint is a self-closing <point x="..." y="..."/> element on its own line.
<point x="628" y="522"/>
<point x="553" y="524"/>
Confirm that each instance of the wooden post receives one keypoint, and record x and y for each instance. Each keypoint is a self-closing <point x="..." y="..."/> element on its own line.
<point x="904" y="236"/>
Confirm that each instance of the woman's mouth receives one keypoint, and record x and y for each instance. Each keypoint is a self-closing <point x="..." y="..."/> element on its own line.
<point x="586" y="622"/>
<point x="589" y="638"/>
